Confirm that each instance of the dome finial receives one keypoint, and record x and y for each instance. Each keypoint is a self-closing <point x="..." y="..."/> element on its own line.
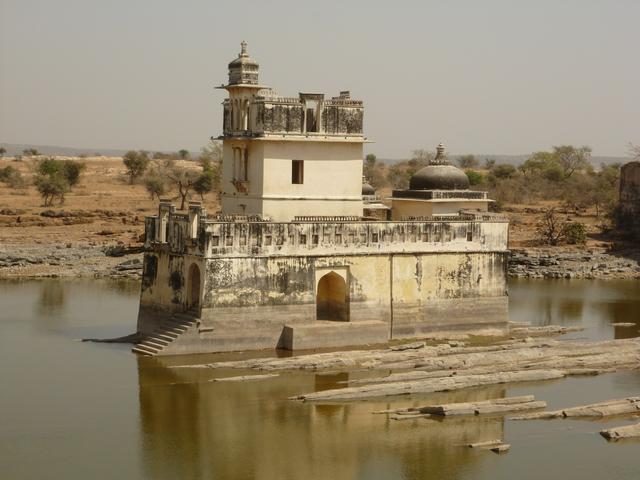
<point x="441" y="156"/>
<point x="243" y="49"/>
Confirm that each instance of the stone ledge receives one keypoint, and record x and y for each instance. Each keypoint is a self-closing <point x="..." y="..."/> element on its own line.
<point x="328" y="334"/>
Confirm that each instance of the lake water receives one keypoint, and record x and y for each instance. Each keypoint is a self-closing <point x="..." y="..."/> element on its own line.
<point x="74" y="410"/>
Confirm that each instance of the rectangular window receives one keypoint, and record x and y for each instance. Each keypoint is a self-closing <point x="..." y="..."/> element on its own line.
<point x="297" y="172"/>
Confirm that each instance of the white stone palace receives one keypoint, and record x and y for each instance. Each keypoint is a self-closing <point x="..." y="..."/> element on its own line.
<point x="303" y="255"/>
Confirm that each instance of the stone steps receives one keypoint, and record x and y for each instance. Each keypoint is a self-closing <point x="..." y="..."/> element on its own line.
<point x="168" y="331"/>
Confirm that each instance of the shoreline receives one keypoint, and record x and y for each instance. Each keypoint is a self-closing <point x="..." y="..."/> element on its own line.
<point x="117" y="261"/>
<point x="70" y="261"/>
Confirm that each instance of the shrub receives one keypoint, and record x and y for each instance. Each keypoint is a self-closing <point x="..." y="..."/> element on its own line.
<point x="51" y="187"/>
<point x="6" y="173"/>
<point x="574" y="233"/>
<point x="504" y="170"/>
<point x="474" y="177"/>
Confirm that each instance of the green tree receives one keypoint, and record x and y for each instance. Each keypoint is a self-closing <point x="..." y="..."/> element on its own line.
<point x="136" y="164"/>
<point x="373" y="171"/>
<point x="489" y="163"/>
<point x="71" y="171"/>
<point x="2" y="151"/>
<point x="571" y="158"/>
<point x="155" y="186"/>
<point x="468" y="161"/>
<point x="504" y="170"/>
<point x="475" y="178"/>
<point x="205" y="183"/>
<point x="55" y="178"/>
<point x="51" y="187"/>
<point x="30" y="152"/>
<point x="183" y="154"/>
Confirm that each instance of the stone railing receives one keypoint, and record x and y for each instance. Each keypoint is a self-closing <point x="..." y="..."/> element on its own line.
<point x="326" y="219"/>
<point x="222" y="235"/>
<point x="441" y="194"/>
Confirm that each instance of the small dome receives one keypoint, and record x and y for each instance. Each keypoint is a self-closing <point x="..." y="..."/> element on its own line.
<point x="243" y="58"/>
<point x="439" y="177"/>
<point x="368" y="189"/>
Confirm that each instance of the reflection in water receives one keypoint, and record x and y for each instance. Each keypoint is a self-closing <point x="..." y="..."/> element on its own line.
<point x="112" y="415"/>
<point x="589" y="303"/>
<point x="251" y="430"/>
<point x="51" y="299"/>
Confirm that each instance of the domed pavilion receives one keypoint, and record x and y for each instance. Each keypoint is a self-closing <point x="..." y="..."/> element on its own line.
<point x="439" y="189"/>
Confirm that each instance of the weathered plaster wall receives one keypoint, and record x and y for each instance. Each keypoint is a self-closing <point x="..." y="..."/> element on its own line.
<point x="404" y="207"/>
<point x="404" y="279"/>
<point x="448" y="291"/>
<point x="331" y="186"/>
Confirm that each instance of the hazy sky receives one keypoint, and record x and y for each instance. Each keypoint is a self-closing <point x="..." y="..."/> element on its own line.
<point x="483" y="76"/>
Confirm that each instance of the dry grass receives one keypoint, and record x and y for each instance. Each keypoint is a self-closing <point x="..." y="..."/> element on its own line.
<point x="106" y="201"/>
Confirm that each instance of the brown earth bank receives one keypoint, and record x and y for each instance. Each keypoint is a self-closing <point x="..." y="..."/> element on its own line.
<point x="98" y="230"/>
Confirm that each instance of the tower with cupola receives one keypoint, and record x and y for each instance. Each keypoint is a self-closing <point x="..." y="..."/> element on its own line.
<point x="288" y="157"/>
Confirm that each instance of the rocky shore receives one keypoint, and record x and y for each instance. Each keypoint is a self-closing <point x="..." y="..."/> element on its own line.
<point x="574" y="264"/>
<point x="118" y="261"/>
<point x="69" y="260"/>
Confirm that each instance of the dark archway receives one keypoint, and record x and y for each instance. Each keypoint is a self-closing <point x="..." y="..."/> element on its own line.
<point x="332" y="302"/>
<point x="193" y="286"/>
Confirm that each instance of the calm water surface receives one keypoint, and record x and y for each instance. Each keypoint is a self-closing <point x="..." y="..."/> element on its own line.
<point x="78" y="410"/>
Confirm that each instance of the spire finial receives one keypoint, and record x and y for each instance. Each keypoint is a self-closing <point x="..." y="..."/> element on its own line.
<point x="243" y="49"/>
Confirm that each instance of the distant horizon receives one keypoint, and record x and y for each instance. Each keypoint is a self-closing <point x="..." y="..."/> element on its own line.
<point x="478" y="76"/>
<point x="18" y="147"/>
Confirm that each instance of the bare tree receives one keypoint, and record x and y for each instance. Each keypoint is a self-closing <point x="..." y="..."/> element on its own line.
<point x="550" y="228"/>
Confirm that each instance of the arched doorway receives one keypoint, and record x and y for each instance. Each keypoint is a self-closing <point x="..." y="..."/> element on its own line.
<point x="193" y="287"/>
<point x="332" y="302"/>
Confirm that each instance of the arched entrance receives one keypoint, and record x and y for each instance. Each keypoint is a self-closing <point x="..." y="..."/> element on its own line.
<point x="193" y="287"/>
<point x="332" y="302"/>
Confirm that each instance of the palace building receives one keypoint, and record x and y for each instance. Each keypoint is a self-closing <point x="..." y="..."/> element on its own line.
<point x="303" y="254"/>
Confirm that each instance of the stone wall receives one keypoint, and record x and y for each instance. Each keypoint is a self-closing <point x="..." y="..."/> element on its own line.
<point x="629" y="214"/>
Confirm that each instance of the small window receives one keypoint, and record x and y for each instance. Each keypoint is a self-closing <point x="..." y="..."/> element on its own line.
<point x="374" y="238"/>
<point x="297" y="172"/>
<point x="314" y="239"/>
<point x="469" y="235"/>
<point x="303" y="239"/>
<point x="267" y="240"/>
